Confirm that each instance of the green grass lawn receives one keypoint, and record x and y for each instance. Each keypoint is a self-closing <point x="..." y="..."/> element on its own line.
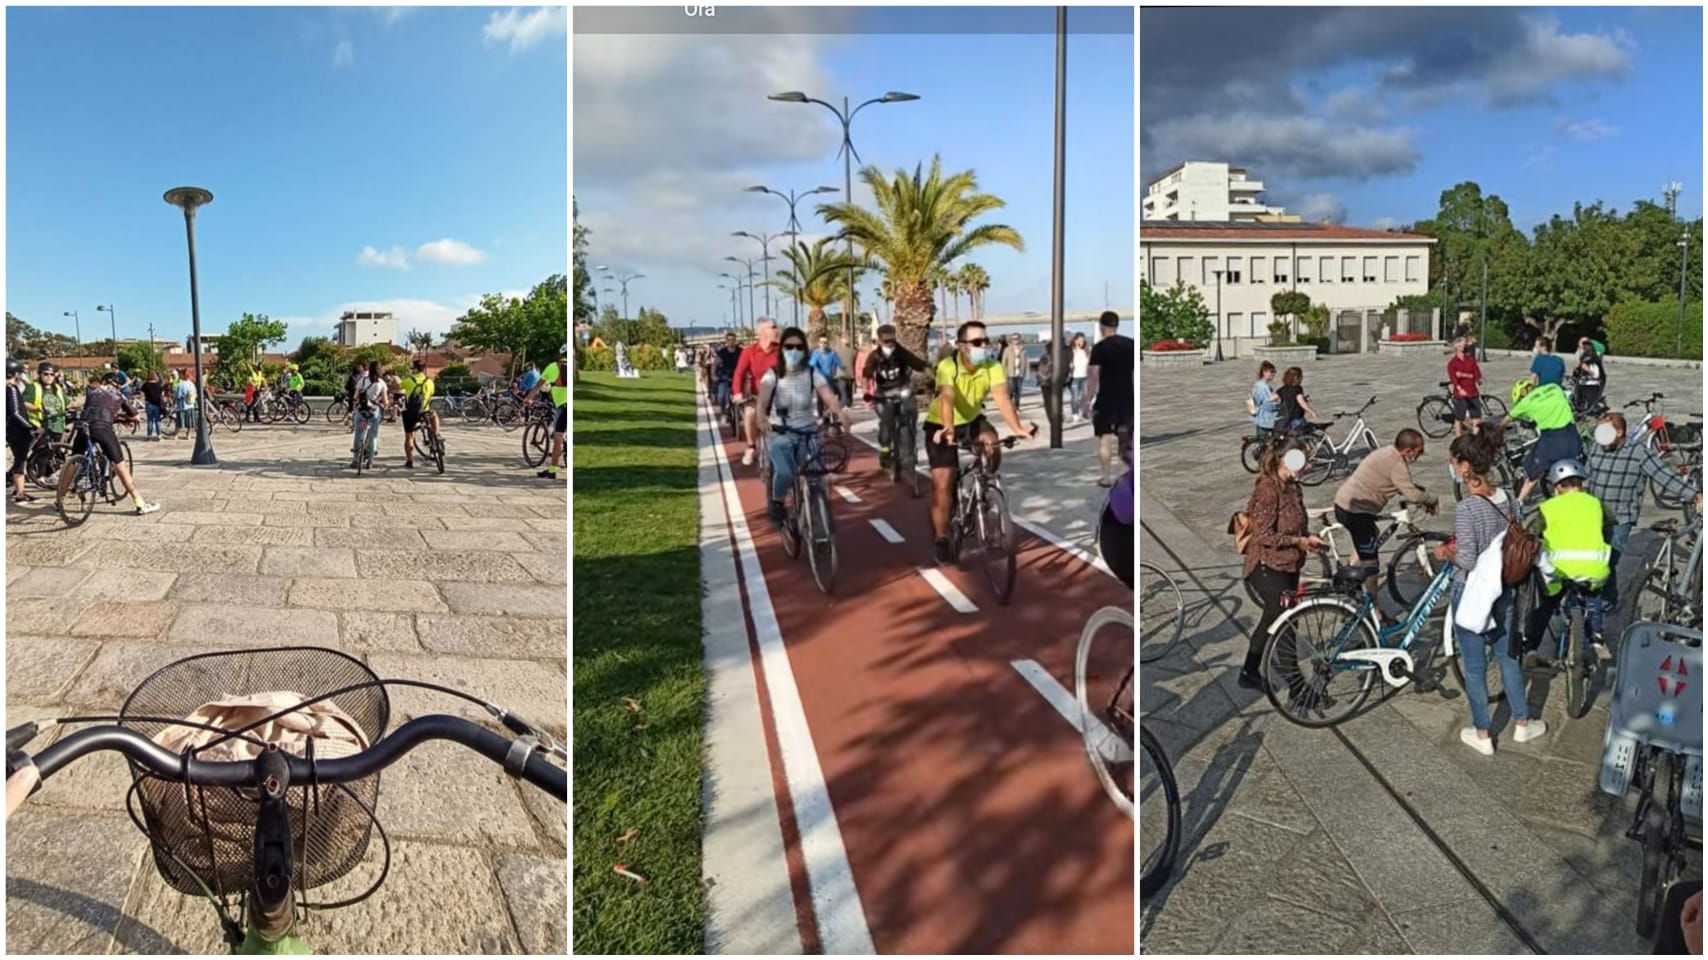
<point x="639" y="685"/>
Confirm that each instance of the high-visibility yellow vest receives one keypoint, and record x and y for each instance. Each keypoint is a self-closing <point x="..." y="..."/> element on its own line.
<point x="1573" y="546"/>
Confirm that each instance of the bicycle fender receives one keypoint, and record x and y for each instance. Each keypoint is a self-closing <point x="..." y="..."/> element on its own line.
<point x="1341" y="602"/>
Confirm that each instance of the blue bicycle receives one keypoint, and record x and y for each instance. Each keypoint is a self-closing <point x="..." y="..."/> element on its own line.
<point x="1564" y="647"/>
<point x="86" y="476"/>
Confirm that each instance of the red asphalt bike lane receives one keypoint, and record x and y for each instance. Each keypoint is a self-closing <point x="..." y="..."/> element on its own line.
<point x="969" y="812"/>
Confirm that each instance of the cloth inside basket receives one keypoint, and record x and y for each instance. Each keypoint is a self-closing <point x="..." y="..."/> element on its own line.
<point x="336" y="733"/>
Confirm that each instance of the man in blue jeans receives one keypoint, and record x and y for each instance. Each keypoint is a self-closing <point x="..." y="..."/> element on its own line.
<point x="826" y="362"/>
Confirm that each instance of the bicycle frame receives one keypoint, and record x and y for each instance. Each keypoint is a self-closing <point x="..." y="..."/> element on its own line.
<point x="1407" y="629"/>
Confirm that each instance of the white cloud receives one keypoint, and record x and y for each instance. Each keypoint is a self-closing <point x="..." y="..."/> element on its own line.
<point x="522" y="29"/>
<point x="391" y="15"/>
<point x="1384" y="223"/>
<point x="395" y="258"/>
<point x="344" y="54"/>
<point x="450" y="251"/>
<point x="1586" y="129"/>
<point x="1319" y="208"/>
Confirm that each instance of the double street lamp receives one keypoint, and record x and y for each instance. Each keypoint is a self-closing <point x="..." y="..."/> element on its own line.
<point x="794" y="230"/>
<point x="188" y="199"/>
<point x="846" y="117"/>
<point x="78" y="323"/>
<point x="751" y="316"/>
<point x="622" y="282"/>
<point x="765" y="249"/>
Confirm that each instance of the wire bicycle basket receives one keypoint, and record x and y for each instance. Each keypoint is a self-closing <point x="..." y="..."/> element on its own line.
<point x="203" y="838"/>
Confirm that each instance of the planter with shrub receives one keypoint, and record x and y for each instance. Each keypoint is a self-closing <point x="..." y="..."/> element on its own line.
<point x="1412" y="345"/>
<point x="1172" y="353"/>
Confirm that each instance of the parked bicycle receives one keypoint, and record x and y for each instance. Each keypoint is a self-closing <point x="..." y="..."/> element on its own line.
<point x="1670" y="590"/>
<point x="1435" y="414"/>
<point x="1326" y="458"/>
<point x="252" y="825"/>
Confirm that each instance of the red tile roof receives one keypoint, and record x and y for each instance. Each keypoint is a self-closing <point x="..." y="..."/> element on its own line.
<point x="1159" y="230"/>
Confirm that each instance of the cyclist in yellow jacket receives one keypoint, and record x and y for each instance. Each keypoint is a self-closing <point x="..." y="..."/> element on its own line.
<point x="1575" y="533"/>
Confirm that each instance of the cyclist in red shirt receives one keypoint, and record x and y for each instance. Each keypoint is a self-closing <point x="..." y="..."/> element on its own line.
<point x="1463" y="379"/>
<point x="757" y="359"/>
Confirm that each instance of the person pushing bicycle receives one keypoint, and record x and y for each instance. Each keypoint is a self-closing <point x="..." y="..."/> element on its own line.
<point x="417" y="405"/>
<point x="956" y="416"/>
<point x="104" y="405"/>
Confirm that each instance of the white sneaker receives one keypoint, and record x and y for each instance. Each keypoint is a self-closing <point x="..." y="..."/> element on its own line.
<point x="747" y="458"/>
<point x="1526" y="732"/>
<point x="1483" y="745"/>
<point x="147" y="508"/>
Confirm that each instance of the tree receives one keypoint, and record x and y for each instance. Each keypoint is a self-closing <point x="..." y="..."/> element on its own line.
<point x="1178" y="313"/>
<point x="922" y="222"/>
<point x="817" y="277"/>
<point x="584" y="298"/>
<point x="320" y="359"/>
<point x="418" y="340"/>
<point x="243" y="342"/>
<point x="25" y="342"/>
<point x="1289" y="304"/>
<point x="139" y="358"/>
<point x="533" y="327"/>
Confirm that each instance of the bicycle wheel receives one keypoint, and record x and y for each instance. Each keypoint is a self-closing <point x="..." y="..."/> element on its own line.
<point x="336" y="409"/>
<point x="1435" y="417"/>
<point x="536" y="444"/>
<point x="115" y="488"/>
<point x="1579" y="667"/>
<point x="232" y="418"/>
<point x="834" y="446"/>
<point x="1305" y="677"/>
<point x="1493" y="407"/>
<point x="1103" y="689"/>
<point x="76" y="499"/>
<point x="1412" y="567"/>
<point x="1319" y="462"/>
<point x="819" y="533"/>
<point x="474" y="412"/>
<point x="438" y="449"/>
<point x="508" y="415"/>
<point x="1651" y="890"/>
<point x="1159" y="805"/>
<point x="1162" y="613"/>
<point x="43" y="465"/>
<point x="1677" y="463"/>
<point x="299" y="414"/>
<point x="1251" y="452"/>
<point x="996" y="544"/>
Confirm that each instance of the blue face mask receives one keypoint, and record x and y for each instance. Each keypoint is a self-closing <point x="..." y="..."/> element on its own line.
<point x="977" y="355"/>
<point x="793" y="357"/>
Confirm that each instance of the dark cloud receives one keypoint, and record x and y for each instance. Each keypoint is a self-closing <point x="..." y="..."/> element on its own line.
<point x="1293" y="147"/>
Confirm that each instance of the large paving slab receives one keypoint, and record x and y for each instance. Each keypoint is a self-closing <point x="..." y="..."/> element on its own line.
<point x="1386" y="835"/>
<point x="280" y="546"/>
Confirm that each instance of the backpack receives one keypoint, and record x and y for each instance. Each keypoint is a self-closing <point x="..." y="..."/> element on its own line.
<point x="412" y="399"/>
<point x="364" y="402"/>
<point x="1517" y="551"/>
<point x="1251" y="402"/>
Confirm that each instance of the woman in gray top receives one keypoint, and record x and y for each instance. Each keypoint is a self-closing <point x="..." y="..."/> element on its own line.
<point x="1482" y="516"/>
<point x="786" y="394"/>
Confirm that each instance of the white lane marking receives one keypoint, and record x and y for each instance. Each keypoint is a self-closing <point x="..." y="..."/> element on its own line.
<point x="840" y="917"/>
<point x="886" y="531"/>
<point x="947" y="590"/>
<point x="845" y="493"/>
<point x="1110" y="746"/>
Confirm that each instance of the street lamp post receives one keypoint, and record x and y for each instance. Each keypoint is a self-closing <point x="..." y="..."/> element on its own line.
<point x="794" y="230"/>
<point x="108" y="309"/>
<point x="1683" y="252"/>
<point x="77" y="322"/>
<point x="189" y="198"/>
<point x="1218" y="274"/>
<point x="1058" y="227"/>
<point x="846" y="116"/>
<point x="753" y="317"/>
<point x="735" y="294"/>
<point x="622" y="282"/>
<point x="764" y="248"/>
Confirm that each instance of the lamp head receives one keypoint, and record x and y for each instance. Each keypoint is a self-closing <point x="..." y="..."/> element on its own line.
<point x="789" y="96"/>
<point x="189" y="198"/>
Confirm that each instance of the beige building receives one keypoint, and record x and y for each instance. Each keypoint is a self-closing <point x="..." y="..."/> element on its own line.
<point x="1356" y="273"/>
<point x="360" y="329"/>
<point x="1197" y="190"/>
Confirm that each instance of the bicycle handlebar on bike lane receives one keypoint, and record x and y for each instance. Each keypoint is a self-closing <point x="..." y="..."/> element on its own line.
<point x="971" y="819"/>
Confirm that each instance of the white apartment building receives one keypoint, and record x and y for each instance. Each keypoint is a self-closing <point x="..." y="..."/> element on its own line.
<point x="360" y="329"/>
<point x="1356" y="273"/>
<point x="1197" y="190"/>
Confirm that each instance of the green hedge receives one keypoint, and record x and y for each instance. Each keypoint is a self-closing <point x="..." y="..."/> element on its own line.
<point x="1651" y="330"/>
<point x="320" y="388"/>
<point x="644" y="356"/>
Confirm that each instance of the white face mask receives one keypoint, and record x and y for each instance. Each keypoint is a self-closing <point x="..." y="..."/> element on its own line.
<point x="1294" y="460"/>
<point x="1604" y="434"/>
<point x="887" y="349"/>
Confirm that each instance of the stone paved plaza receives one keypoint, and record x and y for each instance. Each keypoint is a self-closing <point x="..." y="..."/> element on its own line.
<point x="457" y="579"/>
<point x="1384" y="835"/>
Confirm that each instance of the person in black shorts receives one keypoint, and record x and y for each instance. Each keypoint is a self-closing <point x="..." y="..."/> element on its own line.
<point x="1109" y="392"/>
<point x="104" y="405"/>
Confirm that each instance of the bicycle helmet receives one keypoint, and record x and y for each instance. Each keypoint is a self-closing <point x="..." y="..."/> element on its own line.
<point x="46" y="366"/>
<point x="13" y="368"/>
<point x="1566" y="470"/>
<point x="1521" y="388"/>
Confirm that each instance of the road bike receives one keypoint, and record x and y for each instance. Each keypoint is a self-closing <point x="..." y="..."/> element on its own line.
<point x="87" y="476"/>
<point x="807" y="519"/>
<point x="1106" y="703"/>
<point x="1653" y="742"/>
<point x="1670" y="592"/>
<point x="978" y="511"/>
<point x="1159" y="806"/>
<point x="1162" y="613"/>
<point x="1325" y="458"/>
<point x="250" y="816"/>
<point x="1435" y="414"/>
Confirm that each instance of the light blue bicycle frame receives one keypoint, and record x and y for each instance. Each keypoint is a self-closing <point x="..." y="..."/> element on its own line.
<point x="1384" y="655"/>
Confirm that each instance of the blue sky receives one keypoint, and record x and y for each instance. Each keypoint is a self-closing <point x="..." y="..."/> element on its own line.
<point x="1368" y="114"/>
<point x="672" y="124"/>
<point x="405" y="159"/>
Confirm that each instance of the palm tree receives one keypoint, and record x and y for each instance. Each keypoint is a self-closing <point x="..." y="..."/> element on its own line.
<point x="816" y="276"/>
<point x="419" y="341"/>
<point x="923" y="222"/>
<point x="975" y="281"/>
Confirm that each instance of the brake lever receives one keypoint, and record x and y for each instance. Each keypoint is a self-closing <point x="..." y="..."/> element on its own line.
<point x="19" y="735"/>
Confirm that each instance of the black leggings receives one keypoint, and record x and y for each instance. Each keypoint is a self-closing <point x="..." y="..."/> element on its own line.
<point x="1115" y="539"/>
<point x="1271" y="585"/>
<point x="19" y="442"/>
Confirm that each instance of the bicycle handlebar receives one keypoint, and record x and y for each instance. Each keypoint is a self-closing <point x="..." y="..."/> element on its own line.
<point x="391" y="748"/>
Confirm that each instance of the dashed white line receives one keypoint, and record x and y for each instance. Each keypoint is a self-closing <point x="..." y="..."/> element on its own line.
<point x="947" y="590"/>
<point x="1113" y="748"/>
<point x="886" y="531"/>
<point x="846" y="493"/>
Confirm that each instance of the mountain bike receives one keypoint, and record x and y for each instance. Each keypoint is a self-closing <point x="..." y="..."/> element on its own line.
<point x="1162" y="613"/>
<point x="1103" y="688"/>
<point x="1159" y="806"/>
<point x="431" y="443"/>
<point x="250" y="813"/>
<point x="86" y="476"/>
<point x="978" y="510"/>
<point x="1326" y="458"/>
<point x="807" y="519"/>
<point x="45" y="457"/>
<point x="1435" y="414"/>
<point x="1565" y="648"/>
<point x="1653" y="742"/>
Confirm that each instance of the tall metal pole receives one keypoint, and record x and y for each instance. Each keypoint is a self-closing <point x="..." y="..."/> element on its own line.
<point x="848" y="198"/>
<point x="1483" y="337"/>
<point x="1058" y="324"/>
<point x="1683" y="254"/>
<point x="750" y="312"/>
<point x="189" y="198"/>
<point x="1218" y="274"/>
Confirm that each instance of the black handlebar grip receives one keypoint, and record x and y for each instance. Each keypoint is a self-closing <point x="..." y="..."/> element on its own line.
<point x="21" y="734"/>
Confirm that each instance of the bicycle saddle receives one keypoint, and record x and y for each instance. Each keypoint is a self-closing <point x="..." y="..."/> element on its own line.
<point x="1353" y="577"/>
<point x="1668" y="525"/>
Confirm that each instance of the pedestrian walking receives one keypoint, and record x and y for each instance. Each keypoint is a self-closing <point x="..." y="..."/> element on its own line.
<point x="1080" y="358"/>
<point x="1014" y="368"/>
<point x="1280" y="539"/>
<point x="185" y="392"/>
<point x="154" y="403"/>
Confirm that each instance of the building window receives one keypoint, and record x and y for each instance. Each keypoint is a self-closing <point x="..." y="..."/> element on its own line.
<point x="1281" y="272"/>
<point x="1390" y="269"/>
<point x="1159" y="272"/>
<point x="1348" y="269"/>
<point x="1259" y="323"/>
<point x="1326" y="272"/>
<point x="1186" y="265"/>
<point x="1304" y="269"/>
<point x="1236" y="266"/>
<point x="1211" y="265"/>
<point x="1369" y="269"/>
<point x="1233" y="323"/>
<point x="1411" y="269"/>
<point x="1260" y="270"/>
